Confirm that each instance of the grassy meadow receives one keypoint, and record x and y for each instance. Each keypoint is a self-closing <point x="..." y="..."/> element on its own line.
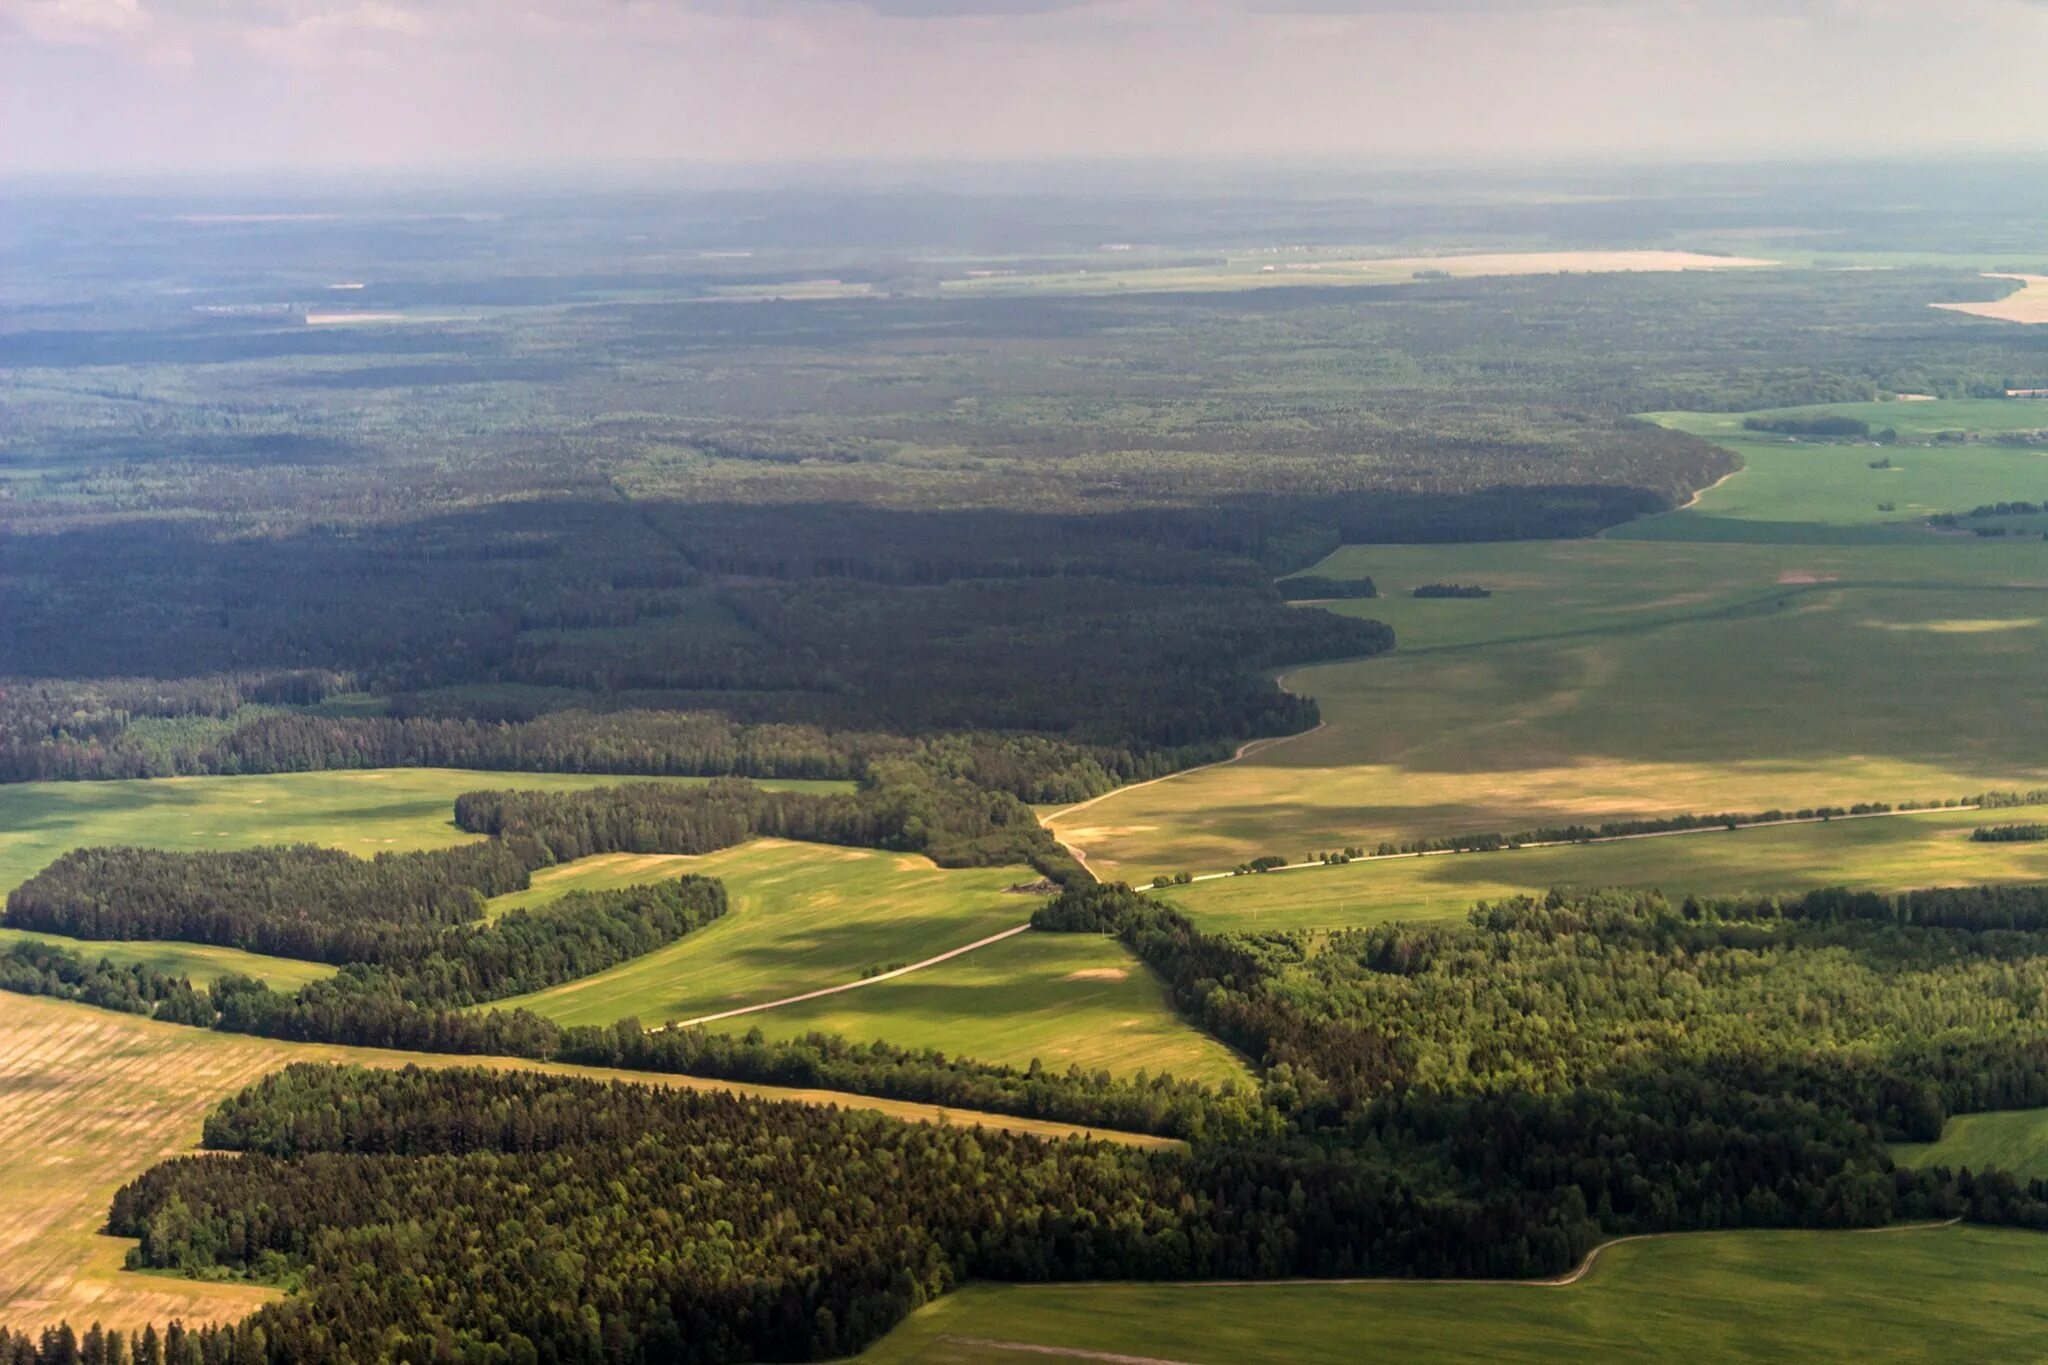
<point x="1061" y="999"/>
<point x="802" y="917"/>
<point x="1906" y="1294"/>
<point x="2014" y="1140"/>
<point x="1888" y="853"/>
<point x="365" y="811"/>
<point x="1798" y="651"/>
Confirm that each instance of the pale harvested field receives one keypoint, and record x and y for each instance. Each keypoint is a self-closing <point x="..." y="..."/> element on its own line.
<point x="344" y="319"/>
<point x="90" y="1099"/>
<point x="1554" y="262"/>
<point x="2029" y="303"/>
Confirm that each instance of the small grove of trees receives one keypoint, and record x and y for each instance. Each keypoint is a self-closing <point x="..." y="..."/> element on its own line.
<point x="1823" y="424"/>
<point x="1316" y="588"/>
<point x="1452" y="590"/>
<point x="2009" y="834"/>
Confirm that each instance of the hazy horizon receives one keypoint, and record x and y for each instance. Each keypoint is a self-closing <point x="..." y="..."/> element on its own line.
<point x="99" y="87"/>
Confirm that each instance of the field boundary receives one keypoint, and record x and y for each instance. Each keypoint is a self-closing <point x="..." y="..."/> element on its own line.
<point x="1560" y="1281"/>
<point x="1571" y="843"/>
<point x="876" y="979"/>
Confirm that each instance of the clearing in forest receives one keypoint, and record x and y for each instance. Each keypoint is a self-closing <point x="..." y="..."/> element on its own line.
<point x="802" y="917"/>
<point x="2011" y="1140"/>
<point x="1060" y="999"/>
<point x="2028" y="303"/>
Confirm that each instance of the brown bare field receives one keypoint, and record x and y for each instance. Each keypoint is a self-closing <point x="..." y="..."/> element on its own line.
<point x="2029" y="303"/>
<point x="90" y="1099"/>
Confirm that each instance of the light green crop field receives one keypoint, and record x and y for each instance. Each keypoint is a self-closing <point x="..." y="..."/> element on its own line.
<point x="1908" y="1294"/>
<point x="1819" y="697"/>
<point x="1777" y="659"/>
<point x="202" y="963"/>
<point x="802" y="916"/>
<point x="1804" y="490"/>
<point x="2014" y="1140"/>
<point x="365" y="812"/>
<point x="1887" y="853"/>
<point x="1063" y="999"/>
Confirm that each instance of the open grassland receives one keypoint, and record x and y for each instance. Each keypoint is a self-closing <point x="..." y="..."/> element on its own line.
<point x="2014" y="1140"/>
<point x="1886" y="853"/>
<point x="1777" y="648"/>
<point x="1950" y="1293"/>
<point x="802" y="917"/>
<point x="1544" y="590"/>
<point x="366" y="812"/>
<point x="90" y="1099"/>
<point x="200" y="963"/>
<point x="1061" y="999"/>
<point x="1803" y="490"/>
<point x="2028" y="303"/>
<point x="1820" y="695"/>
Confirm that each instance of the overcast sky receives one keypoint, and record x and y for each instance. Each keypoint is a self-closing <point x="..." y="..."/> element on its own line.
<point x="101" y="85"/>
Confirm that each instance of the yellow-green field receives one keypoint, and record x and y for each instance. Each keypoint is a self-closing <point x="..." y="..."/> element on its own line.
<point x="2014" y="1140"/>
<point x="1921" y="1294"/>
<point x="1776" y="645"/>
<point x="365" y="812"/>
<point x="802" y="917"/>
<point x="90" y="1099"/>
<point x="1063" y="999"/>
<point x="200" y="962"/>
<point x="1886" y="853"/>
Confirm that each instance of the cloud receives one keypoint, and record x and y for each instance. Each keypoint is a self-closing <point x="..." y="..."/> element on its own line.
<point x="74" y="21"/>
<point x="89" y="83"/>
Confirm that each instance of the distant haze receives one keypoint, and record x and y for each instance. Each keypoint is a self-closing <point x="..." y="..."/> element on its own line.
<point x="123" y="85"/>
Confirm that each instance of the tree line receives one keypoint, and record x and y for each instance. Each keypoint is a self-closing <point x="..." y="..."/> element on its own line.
<point x="222" y="727"/>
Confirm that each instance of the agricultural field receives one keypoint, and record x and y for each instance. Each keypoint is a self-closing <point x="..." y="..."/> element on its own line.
<point x="1614" y="678"/>
<point x="201" y="963"/>
<point x="802" y="917"/>
<point x="1059" y="999"/>
<point x="2028" y="303"/>
<point x="1903" y="1294"/>
<point x="1277" y="267"/>
<point x="2013" y="1140"/>
<point x="1884" y="853"/>
<point x="808" y="916"/>
<point x="89" y="1099"/>
<point x="364" y="811"/>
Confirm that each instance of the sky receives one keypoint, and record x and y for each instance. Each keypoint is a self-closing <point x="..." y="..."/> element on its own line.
<point x="118" y="86"/>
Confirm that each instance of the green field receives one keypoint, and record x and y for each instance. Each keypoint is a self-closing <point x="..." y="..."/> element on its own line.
<point x="1820" y="697"/>
<point x="1890" y="853"/>
<point x="1807" y="490"/>
<point x="803" y="916"/>
<point x="1062" y="999"/>
<point x="364" y="812"/>
<point x="1951" y="1293"/>
<point x="202" y="963"/>
<point x="2014" y="1140"/>
<point x="1795" y="652"/>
